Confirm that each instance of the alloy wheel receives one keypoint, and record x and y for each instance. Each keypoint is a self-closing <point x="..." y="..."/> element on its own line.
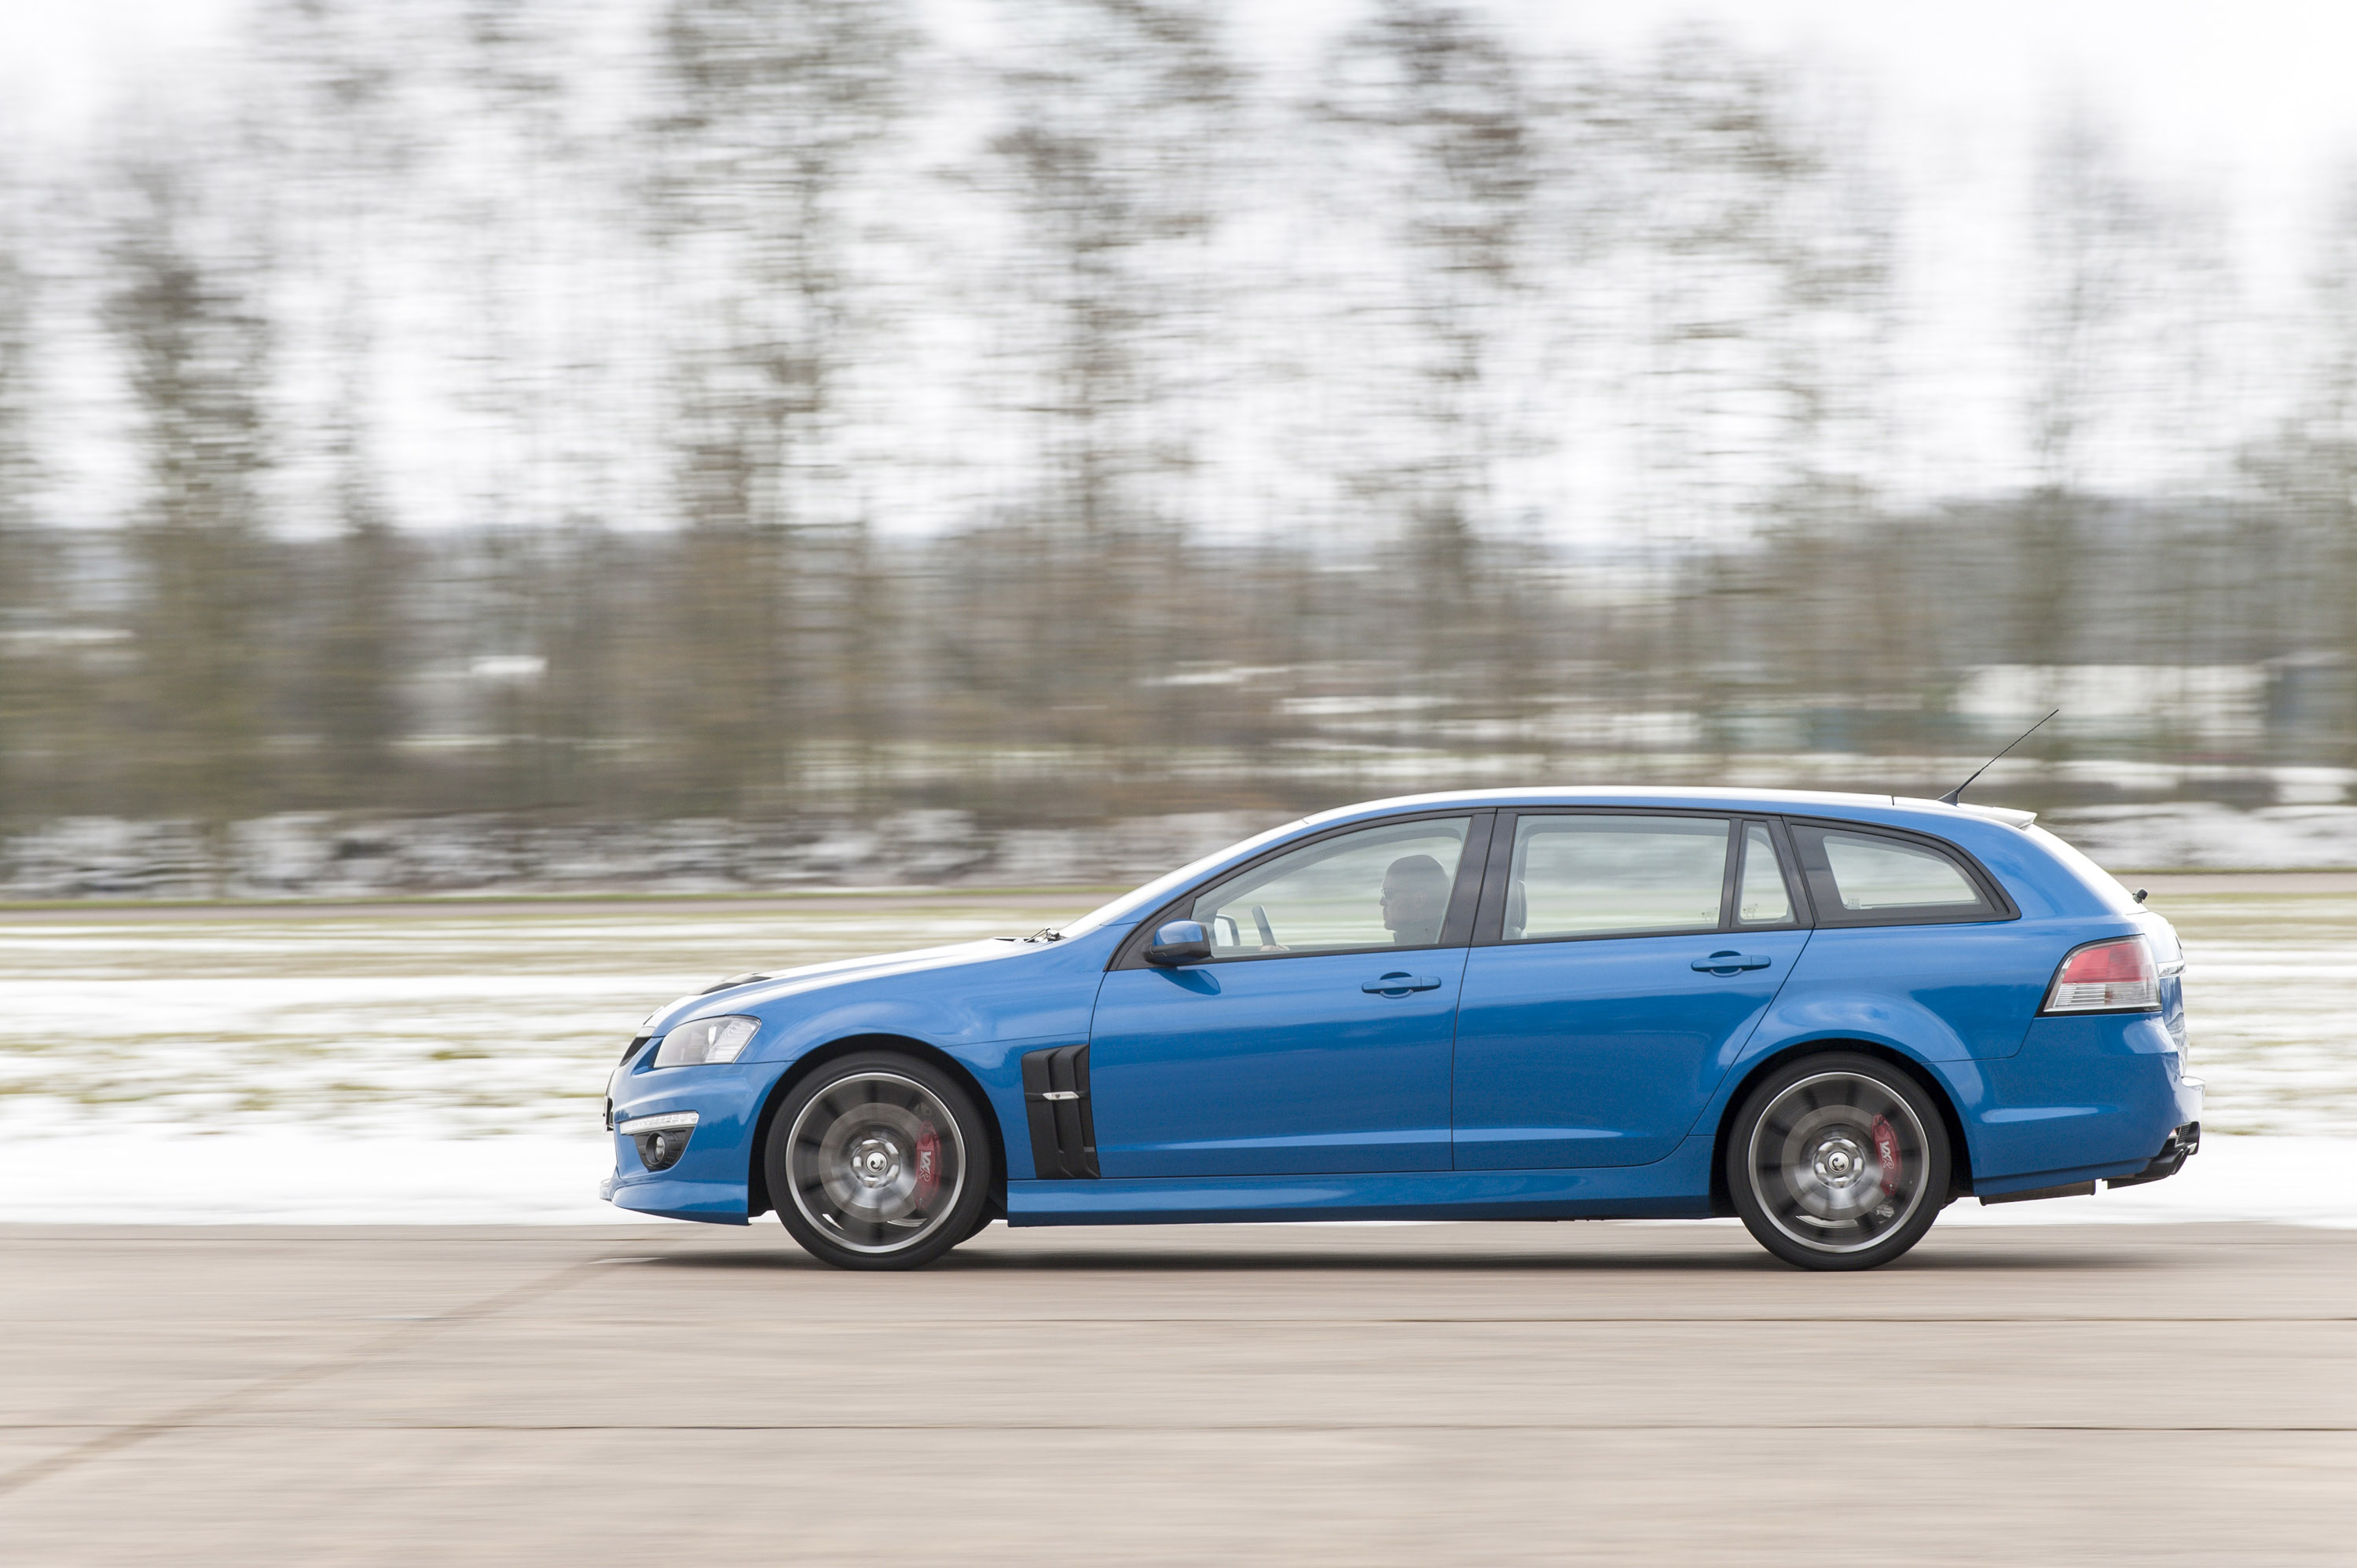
<point x="876" y="1162"/>
<point x="1837" y="1162"/>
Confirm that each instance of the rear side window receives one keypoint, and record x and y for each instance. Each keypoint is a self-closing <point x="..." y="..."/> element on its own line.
<point x="1861" y="879"/>
<point x="1596" y="875"/>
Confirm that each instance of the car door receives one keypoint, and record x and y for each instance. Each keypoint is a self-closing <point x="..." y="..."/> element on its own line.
<point x="1621" y="960"/>
<point x="1316" y="1039"/>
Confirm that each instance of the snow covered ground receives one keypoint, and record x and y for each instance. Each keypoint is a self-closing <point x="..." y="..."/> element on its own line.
<point x="445" y="1066"/>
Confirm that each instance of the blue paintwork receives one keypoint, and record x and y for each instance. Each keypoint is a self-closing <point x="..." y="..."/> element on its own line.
<point x="2078" y="1095"/>
<point x="1275" y="1066"/>
<point x="1602" y="1051"/>
<point x="1675" y="1188"/>
<point x="708" y="1181"/>
<point x="1548" y="1081"/>
<point x="1939" y="993"/>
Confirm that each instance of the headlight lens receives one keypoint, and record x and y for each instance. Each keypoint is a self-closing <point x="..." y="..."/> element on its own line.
<point x="702" y="1040"/>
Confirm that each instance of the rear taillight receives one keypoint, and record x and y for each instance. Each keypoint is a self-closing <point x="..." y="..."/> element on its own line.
<point x="2115" y="976"/>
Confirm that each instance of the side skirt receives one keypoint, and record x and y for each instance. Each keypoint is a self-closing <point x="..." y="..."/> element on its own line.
<point x="1676" y="1188"/>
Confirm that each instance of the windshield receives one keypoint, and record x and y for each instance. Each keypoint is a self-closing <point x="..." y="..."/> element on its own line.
<point x="1134" y="905"/>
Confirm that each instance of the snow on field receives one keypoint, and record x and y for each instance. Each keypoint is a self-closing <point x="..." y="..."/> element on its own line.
<point x="418" y="1066"/>
<point x="2204" y="834"/>
<point x="307" y="1176"/>
<point x="2290" y="1181"/>
<point x="393" y="1024"/>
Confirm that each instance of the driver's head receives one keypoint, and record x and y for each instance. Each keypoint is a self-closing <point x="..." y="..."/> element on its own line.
<point x="1416" y="899"/>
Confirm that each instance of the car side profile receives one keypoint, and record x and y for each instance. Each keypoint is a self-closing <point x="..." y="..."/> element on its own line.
<point x="1829" y="1015"/>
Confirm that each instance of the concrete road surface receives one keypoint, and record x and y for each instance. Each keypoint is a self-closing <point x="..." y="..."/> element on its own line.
<point x="1489" y="1394"/>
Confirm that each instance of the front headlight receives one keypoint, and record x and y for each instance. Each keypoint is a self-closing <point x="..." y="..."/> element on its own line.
<point x="702" y="1040"/>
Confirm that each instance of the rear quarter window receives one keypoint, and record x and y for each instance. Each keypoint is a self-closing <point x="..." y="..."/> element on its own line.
<point x="1859" y="876"/>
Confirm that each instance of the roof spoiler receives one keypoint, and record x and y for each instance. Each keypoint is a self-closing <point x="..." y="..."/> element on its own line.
<point x="2005" y="814"/>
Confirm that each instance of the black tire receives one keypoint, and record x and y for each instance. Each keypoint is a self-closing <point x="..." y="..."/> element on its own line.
<point x="1838" y="1161"/>
<point x="858" y="1156"/>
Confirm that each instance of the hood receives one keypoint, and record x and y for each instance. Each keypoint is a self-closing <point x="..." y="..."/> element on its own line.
<point x="756" y="990"/>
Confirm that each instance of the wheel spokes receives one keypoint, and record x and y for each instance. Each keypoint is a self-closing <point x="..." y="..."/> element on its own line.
<point x="876" y="1161"/>
<point x="1836" y="1162"/>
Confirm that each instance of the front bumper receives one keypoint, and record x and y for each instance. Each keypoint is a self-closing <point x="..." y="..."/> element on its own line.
<point x="707" y="1181"/>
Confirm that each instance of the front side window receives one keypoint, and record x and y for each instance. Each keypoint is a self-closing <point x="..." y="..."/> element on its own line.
<point x="1379" y="887"/>
<point x="1870" y="879"/>
<point x="1596" y="875"/>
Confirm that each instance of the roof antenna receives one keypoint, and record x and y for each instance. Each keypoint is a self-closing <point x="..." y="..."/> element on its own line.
<point x="1955" y="795"/>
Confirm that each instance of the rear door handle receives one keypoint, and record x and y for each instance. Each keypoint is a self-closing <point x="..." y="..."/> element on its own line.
<point x="1730" y="963"/>
<point x="1400" y="985"/>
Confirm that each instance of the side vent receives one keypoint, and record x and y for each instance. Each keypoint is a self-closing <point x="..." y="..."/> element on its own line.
<point x="1063" y="1130"/>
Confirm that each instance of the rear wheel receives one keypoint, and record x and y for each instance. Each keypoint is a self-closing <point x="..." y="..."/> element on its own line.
<point x="1838" y="1161"/>
<point x="879" y="1161"/>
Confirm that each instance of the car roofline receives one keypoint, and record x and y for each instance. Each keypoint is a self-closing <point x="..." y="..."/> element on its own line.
<point x="1799" y="803"/>
<point x="1890" y="811"/>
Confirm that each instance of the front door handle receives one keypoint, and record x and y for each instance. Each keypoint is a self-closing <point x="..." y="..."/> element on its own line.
<point x="1400" y="985"/>
<point x="1730" y="963"/>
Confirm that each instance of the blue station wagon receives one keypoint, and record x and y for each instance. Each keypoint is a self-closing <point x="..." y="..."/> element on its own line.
<point x="1829" y="1015"/>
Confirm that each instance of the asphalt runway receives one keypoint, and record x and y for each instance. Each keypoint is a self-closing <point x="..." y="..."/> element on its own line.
<point x="1481" y="1394"/>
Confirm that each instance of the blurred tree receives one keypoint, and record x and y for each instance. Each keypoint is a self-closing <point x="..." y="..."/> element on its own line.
<point x="2090" y="236"/>
<point x="2329" y="505"/>
<point x="2122" y="283"/>
<point x="192" y="334"/>
<point x="721" y="408"/>
<point x="346" y="147"/>
<point x="1440" y="150"/>
<point x="766" y="123"/>
<point x="1117" y="132"/>
<point x="2306" y="472"/>
<point x="517" y="178"/>
<point x="20" y="588"/>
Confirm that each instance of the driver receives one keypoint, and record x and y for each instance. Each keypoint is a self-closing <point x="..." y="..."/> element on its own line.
<point x="1414" y="900"/>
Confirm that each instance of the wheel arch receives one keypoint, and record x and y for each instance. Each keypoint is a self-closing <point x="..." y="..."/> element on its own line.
<point x="758" y="1201"/>
<point x="1959" y="1154"/>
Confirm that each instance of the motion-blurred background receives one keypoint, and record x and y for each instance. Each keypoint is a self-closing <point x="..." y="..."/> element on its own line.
<point x="888" y="471"/>
<point x="618" y="443"/>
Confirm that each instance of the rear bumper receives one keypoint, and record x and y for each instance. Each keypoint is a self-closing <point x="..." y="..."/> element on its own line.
<point x="2086" y="1098"/>
<point x="2183" y="1144"/>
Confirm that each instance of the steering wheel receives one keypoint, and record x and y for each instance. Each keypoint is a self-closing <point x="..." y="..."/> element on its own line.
<point x="1259" y="918"/>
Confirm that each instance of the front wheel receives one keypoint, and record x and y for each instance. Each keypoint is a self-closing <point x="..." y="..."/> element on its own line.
<point x="879" y="1161"/>
<point x="1838" y="1162"/>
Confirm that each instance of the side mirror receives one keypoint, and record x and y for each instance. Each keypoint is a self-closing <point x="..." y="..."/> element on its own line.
<point x="1180" y="942"/>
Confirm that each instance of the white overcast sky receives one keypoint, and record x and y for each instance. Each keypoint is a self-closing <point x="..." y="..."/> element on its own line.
<point x="2249" y="96"/>
<point x="2241" y="83"/>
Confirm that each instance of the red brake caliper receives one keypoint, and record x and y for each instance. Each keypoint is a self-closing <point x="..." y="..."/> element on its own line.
<point x="929" y="1165"/>
<point x="1886" y="1154"/>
